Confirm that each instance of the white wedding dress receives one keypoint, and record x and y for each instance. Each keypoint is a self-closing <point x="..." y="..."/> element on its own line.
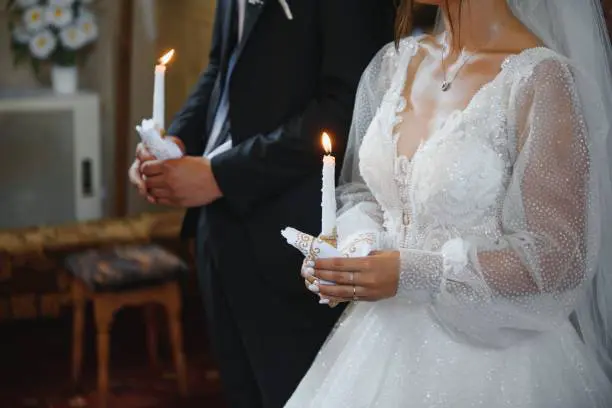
<point x="492" y="220"/>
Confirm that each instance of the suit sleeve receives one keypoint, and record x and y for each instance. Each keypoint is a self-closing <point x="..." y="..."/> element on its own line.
<point x="266" y="164"/>
<point x="189" y="124"/>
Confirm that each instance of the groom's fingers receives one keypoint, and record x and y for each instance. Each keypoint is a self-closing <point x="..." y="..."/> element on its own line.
<point x="143" y="154"/>
<point x="160" y="193"/>
<point x="156" y="182"/>
<point x="152" y="168"/>
<point x="135" y="176"/>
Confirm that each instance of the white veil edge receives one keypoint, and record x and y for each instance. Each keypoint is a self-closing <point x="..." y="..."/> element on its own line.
<point x="577" y="30"/>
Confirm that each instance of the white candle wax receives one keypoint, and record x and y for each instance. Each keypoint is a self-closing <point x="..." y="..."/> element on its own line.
<point x="159" y="96"/>
<point x="328" y="198"/>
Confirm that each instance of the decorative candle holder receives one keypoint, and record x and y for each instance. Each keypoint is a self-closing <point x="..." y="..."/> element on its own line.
<point x="330" y="239"/>
<point x="333" y="241"/>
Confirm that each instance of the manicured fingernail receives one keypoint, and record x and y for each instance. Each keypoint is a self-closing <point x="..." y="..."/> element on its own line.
<point x="313" y="288"/>
<point x="324" y="301"/>
<point x="307" y="272"/>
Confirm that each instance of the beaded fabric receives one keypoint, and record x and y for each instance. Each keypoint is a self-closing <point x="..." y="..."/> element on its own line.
<point x="496" y="221"/>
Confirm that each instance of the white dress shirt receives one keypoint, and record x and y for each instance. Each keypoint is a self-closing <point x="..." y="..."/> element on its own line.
<point x="219" y="121"/>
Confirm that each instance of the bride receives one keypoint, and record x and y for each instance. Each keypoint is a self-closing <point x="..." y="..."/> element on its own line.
<point x="477" y="169"/>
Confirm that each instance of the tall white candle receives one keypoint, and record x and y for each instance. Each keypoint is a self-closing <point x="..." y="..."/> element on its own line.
<point x="159" y="96"/>
<point x="159" y="91"/>
<point x="328" y="197"/>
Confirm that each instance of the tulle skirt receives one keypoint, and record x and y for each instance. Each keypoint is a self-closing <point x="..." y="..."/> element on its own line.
<point x="390" y="354"/>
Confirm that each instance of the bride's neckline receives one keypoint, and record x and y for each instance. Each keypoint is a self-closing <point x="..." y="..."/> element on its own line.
<point x="401" y="101"/>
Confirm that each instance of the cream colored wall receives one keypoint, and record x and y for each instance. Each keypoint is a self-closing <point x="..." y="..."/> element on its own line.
<point x="187" y="29"/>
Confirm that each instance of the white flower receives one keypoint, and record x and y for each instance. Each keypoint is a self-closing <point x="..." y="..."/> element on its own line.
<point x="24" y="4"/>
<point x="33" y="18"/>
<point x="72" y="37"/>
<point x="61" y="3"/>
<point x="87" y="24"/>
<point x="59" y="17"/>
<point x="43" y="44"/>
<point x="21" y="35"/>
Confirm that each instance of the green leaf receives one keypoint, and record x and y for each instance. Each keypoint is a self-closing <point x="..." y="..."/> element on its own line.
<point x="64" y="57"/>
<point x="36" y="67"/>
<point x="21" y="53"/>
<point x="20" y="57"/>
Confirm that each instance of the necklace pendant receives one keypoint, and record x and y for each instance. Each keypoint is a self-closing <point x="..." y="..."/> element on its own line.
<point x="446" y="86"/>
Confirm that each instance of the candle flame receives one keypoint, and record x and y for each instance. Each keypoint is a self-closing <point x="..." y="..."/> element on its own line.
<point x="166" y="58"/>
<point x="326" y="141"/>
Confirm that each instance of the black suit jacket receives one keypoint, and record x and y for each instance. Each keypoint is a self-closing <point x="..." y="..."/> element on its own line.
<point x="301" y="76"/>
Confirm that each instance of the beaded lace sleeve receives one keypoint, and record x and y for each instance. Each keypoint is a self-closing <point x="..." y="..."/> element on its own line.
<point x="531" y="275"/>
<point x="360" y="217"/>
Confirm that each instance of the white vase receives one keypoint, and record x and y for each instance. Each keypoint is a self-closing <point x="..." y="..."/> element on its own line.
<point x="64" y="79"/>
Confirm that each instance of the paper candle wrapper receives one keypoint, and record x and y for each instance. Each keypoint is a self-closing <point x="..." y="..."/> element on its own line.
<point x="162" y="149"/>
<point x="314" y="248"/>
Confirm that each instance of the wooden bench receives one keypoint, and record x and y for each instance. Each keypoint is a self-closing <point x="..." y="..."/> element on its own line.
<point x="114" y="278"/>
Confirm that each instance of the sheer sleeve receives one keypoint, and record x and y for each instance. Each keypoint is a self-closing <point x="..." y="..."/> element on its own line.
<point x="359" y="214"/>
<point x="529" y="278"/>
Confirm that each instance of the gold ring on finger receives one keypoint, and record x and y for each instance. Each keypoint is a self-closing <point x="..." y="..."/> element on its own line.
<point x="355" y="298"/>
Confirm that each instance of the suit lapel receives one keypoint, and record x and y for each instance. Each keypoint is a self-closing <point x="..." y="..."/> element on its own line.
<point x="252" y="13"/>
<point x="227" y="47"/>
<point x="229" y="33"/>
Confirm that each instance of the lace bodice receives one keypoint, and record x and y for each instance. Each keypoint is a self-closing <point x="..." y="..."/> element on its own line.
<point x="491" y="213"/>
<point x="455" y="180"/>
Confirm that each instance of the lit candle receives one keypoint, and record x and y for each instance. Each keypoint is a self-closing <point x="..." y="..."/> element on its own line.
<point x="328" y="198"/>
<point x="159" y="90"/>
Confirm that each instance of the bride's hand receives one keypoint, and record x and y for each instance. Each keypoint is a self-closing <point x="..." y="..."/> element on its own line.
<point x="371" y="278"/>
<point x="312" y="283"/>
<point x="308" y="272"/>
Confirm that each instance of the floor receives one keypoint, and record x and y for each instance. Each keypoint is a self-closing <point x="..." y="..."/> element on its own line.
<point x="35" y="366"/>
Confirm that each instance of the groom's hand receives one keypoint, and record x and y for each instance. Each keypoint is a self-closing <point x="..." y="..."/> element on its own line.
<point x="185" y="182"/>
<point x="142" y="155"/>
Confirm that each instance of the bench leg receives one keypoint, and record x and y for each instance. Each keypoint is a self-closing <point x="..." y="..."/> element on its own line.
<point x="150" y="311"/>
<point x="173" y="307"/>
<point x="104" y="320"/>
<point x="78" y="328"/>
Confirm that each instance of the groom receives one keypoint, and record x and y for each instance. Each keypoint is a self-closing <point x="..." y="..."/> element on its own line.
<point x="280" y="73"/>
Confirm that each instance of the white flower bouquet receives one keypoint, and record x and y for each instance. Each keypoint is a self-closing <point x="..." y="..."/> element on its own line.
<point x="56" y="31"/>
